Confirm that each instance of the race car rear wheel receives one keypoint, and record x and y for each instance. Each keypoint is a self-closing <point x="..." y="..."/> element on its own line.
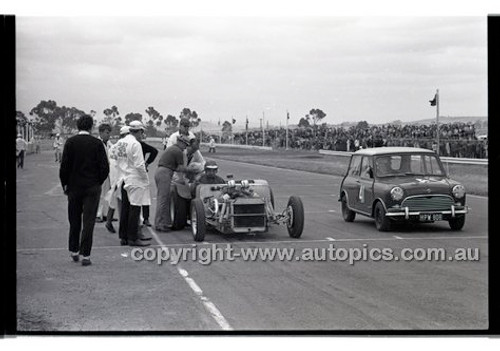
<point x="178" y="210"/>
<point x="457" y="223"/>
<point x="198" y="224"/>
<point x="382" y="223"/>
<point x="347" y="214"/>
<point x="295" y="210"/>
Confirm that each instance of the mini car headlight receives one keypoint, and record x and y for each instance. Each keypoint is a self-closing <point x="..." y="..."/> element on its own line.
<point x="458" y="191"/>
<point x="245" y="184"/>
<point x="231" y="183"/>
<point x="397" y="193"/>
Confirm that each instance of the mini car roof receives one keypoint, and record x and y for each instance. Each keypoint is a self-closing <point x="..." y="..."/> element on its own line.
<point x="391" y="150"/>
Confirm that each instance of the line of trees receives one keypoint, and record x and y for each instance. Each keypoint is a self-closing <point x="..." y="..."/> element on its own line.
<point x="47" y="116"/>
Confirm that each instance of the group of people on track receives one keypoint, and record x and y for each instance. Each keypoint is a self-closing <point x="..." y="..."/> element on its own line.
<point x="101" y="179"/>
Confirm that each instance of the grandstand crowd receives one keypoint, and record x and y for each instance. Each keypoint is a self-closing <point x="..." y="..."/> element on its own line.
<point x="456" y="139"/>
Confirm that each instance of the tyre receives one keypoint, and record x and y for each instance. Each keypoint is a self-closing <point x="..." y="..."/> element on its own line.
<point x="295" y="210"/>
<point x="382" y="223"/>
<point x="178" y="210"/>
<point x="457" y="223"/>
<point x="198" y="224"/>
<point x="347" y="214"/>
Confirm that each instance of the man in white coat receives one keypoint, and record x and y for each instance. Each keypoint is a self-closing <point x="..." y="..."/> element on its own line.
<point x="135" y="185"/>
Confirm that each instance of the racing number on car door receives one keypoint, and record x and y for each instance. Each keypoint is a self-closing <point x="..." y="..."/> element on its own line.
<point x="365" y="196"/>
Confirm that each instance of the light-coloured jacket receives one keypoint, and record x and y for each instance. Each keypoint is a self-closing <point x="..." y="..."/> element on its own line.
<point x="172" y="140"/>
<point x="130" y="161"/>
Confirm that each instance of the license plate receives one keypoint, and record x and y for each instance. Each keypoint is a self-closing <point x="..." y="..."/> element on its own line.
<point x="431" y="217"/>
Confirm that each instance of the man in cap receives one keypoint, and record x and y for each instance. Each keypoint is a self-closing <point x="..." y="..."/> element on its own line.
<point x="171" y="161"/>
<point x="21" y="146"/>
<point x="58" y="142"/>
<point x="113" y="197"/>
<point x="84" y="167"/>
<point x="135" y="184"/>
<point x="210" y="176"/>
<point x="183" y="130"/>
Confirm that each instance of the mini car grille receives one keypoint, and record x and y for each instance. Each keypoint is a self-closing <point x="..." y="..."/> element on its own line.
<point x="428" y="203"/>
<point x="249" y="215"/>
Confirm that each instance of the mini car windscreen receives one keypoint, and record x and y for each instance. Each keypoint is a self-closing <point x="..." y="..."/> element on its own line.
<point x="407" y="165"/>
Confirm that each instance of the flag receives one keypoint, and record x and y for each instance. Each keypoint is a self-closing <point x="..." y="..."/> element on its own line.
<point x="246" y="124"/>
<point x="287" y="115"/>
<point x="234" y="121"/>
<point x="433" y="101"/>
<point x="219" y="121"/>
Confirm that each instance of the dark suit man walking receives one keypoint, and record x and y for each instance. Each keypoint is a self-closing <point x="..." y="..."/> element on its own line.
<point x="84" y="167"/>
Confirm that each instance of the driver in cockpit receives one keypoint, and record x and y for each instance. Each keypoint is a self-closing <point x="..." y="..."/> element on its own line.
<point x="210" y="176"/>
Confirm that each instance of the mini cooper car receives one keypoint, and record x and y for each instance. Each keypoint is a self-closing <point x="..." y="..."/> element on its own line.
<point x="238" y="206"/>
<point x="393" y="184"/>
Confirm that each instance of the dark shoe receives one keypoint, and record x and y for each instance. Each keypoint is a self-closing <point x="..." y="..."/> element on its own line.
<point x="115" y="220"/>
<point x="109" y="227"/>
<point x="141" y="236"/>
<point x="86" y="262"/>
<point x="75" y="257"/>
<point x="123" y="242"/>
<point x="138" y="243"/>
<point x="99" y="220"/>
<point x="146" y="223"/>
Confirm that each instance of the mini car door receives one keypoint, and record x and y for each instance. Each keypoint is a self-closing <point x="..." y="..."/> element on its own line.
<point x="351" y="182"/>
<point x="366" y="180"/>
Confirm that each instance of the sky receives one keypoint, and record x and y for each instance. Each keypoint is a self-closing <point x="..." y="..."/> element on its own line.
<point x="373" y="68"/>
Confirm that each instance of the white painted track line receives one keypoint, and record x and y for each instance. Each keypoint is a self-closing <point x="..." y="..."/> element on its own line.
<point x="210" y="306"/>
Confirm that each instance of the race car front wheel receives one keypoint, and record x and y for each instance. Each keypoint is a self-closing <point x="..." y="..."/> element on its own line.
<point x="295" y="210"/>
<point x="198" y="224"/>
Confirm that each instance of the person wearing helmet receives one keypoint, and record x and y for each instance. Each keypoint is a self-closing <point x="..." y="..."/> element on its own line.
<point x="210" y="176"/>
<point x="21" y="146"/>
<point x="58" y="142"/>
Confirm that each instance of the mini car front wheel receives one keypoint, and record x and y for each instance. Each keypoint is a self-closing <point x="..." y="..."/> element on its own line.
<point x="457" y="223"/>
<point x="198" y="223"/>
<point x="347" y="214"/>
<point x="382" y="223"/>
<point x="295" y="210"/>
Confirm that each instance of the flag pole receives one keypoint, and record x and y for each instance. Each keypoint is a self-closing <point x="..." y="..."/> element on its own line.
<point x="437" y="120"/>
<point x="286" y="137"/>
<point x="246" y="131"/>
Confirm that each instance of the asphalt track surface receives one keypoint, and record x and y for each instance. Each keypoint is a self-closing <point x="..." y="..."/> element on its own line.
<point x="117" y="293"/>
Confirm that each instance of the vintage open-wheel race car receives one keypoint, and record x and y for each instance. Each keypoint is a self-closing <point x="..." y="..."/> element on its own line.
<point x="238" y="206"/>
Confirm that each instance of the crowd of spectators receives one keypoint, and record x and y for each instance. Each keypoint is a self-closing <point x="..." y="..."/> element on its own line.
<point x="456" y="139"/>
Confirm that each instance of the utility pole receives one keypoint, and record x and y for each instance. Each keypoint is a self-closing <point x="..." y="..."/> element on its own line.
<point x="437" y="120"/>
<point x="263" y="133"/>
